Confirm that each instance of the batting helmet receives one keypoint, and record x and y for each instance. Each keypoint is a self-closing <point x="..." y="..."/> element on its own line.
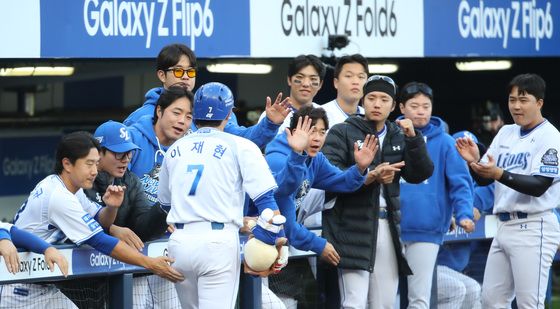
<point x="212" y="101"/>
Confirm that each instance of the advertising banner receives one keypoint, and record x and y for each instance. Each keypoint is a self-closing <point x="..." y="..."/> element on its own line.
<point x="491" y="28"/>
<point x="139" y="28"/>
<point x="375" y="28"/>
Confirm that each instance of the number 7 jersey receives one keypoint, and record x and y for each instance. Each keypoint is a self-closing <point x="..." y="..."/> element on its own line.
<point x="205" y="175"/>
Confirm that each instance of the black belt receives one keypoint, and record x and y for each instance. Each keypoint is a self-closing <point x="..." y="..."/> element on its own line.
<point x="506" y="216"/>
<point x="214" y="225"/>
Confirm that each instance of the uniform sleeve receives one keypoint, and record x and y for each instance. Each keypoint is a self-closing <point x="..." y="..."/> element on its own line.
<point x="66" y="213"/>
<point x="298" y="235"/>
<point x="91" y="207"/>
<point x="28" y="241"/>
<point x="484" y="198"/>
<point x="5" y="230"/>
<point x="545" y="160"/>
<point x="330" y="178"/>
<point x="256" y="175"/>
<point x="164" y="193"/>
<point x="260" y="134"/>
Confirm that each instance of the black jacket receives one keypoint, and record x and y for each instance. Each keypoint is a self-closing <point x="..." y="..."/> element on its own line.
<point x="136" y="212"/>
<point x="351" y="225"/>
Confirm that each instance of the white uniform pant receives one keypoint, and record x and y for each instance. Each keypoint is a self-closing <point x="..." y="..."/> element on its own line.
<point x="33" y="296"/>
<point x="421" y="257"/>
<point x="361" y="289"/>
<point x="456" y="290"/>
<point x="519" y="262"/>
<point x="209" y="259"/>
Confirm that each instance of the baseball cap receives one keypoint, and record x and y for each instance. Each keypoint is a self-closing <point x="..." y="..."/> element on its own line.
<point x="115" y="137"/>
<point x="381" y="83"/>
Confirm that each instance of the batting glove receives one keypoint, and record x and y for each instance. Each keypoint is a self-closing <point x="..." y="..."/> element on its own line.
<point x="269" y="227"/>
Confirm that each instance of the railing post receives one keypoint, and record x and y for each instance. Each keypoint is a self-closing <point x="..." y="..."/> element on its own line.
<point x="251" y="290"/>
<point x="120" y="291"/>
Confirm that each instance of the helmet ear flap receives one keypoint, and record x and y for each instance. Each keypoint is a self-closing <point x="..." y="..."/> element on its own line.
<point x="212" y="101"/>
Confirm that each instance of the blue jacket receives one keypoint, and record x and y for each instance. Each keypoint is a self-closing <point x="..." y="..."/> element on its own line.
<point x="457" y="255"/>
<point x="260" y="134"/>
<point x="146" y="162"/>
<point x="295" y="174"/>
<point x="427" y="207"/>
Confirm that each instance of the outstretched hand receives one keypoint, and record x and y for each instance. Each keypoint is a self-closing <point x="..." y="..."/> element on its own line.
<point x="298" y="139"/>
<point x="53" y="256"/>
<point x="487" y="170"/>
<point x="364" y="154"/>
<point x="9" y="252"/>
<point x="467" y="149"/>
<point x="279" y="110"/>
<point x="114" y="195"/>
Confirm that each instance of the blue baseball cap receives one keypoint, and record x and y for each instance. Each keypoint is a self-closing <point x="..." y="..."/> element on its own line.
<point x="115" y="137"/>
<point x="481" y="147"/>
<point x="466" y="134"/>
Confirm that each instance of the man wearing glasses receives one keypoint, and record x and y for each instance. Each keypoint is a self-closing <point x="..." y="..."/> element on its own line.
<point x="363" y="226"/>
<point x="176" y="66"/>
<point x="137" y="221"/>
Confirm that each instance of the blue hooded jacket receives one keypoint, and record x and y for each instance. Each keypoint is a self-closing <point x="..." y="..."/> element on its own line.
<point x="295" y="174"/>
<point x="457" y="255"/>
<point x="260" y="134"/>
<point x="147" y="162"/>
<point x="427" y="207"/>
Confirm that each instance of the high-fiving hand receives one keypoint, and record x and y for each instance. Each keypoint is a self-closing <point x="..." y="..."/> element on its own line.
<point x="279" y="110"/>
<point x="364" y="154"/>
<point x="298" y="139"/>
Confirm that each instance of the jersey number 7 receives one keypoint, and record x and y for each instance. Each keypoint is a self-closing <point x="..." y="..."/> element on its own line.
<point x="198" y="168"/>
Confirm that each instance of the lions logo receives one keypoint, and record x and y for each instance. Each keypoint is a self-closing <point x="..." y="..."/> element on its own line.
<point x="302" y="192"/>
<point x="550" y="157"/>
<point x="150" y="182"/>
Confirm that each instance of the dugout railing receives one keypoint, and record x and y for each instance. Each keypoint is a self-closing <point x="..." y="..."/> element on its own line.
<point x="87" y="262"/>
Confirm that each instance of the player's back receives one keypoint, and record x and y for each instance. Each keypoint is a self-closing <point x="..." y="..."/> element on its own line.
<point x="33" y="215"/>
<point x="43" y="212"/>
<point x="205" y="175"/>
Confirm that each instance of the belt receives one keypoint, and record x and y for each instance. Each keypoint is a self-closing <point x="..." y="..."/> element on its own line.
<point x="213" y="225"/>
<point x="382" y="213"/>
<point x="506" y="216"/>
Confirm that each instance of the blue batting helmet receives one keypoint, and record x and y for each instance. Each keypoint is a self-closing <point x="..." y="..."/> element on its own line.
<point x="212" y="101"/>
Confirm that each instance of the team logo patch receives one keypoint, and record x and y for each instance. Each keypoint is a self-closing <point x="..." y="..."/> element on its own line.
<point x="550" y="157"/>
<point x="93" y="226"/>
<point x="86" y="218"/>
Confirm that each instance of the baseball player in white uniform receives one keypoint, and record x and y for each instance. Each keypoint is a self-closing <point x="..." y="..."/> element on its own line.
<point x="523" y="159"/>
<point x="57" y="210"/>
<point x="204" y="177"/>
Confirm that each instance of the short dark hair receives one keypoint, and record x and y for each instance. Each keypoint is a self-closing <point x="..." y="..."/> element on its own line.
<point x="207" y="123"/>
<point x="302" y="61"/>
<point x="411" y="89"/>
<point x="170" y="95"/>
<point x="315" y="113"/>
<point x="74" y="146"/>
<point x="355" y="58"/>
<point x="170" y="55"/>
<point x="529" y="84"/>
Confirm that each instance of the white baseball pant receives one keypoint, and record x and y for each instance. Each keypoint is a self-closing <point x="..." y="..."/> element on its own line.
<point x="421" y="257"/>
<point x="362" y="289"/>
<point x="209" y="259"/>
<point x="519" y="262"/>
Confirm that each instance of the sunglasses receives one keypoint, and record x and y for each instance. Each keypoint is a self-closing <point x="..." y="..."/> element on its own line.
<point x="121" y="155"/>
<point x="418" y="87"/>
<point x="180" y="72"/>
<point x="383" y="78"/>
